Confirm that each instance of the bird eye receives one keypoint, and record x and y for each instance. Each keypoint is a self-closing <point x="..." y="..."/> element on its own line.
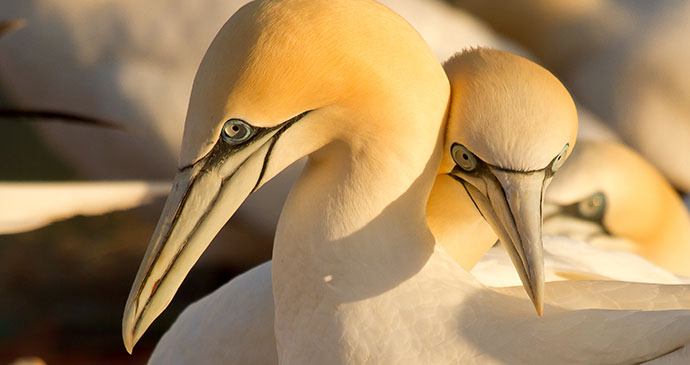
<point x="463" y="157"/>
<point x="236" y="131"/>
<point x="560" y="159"/>
<point x="593" y="207"/>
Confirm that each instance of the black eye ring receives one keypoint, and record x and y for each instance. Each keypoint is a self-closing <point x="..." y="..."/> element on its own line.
<point x="593" y="207"/>
<point x="463" y="157"/>
<point x="236" y="131"/>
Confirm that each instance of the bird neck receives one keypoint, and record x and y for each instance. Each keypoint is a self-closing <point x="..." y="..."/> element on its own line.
<point x="353" y="227"/>
<point x="456" y="222"/>
<point x="347" y="219"/>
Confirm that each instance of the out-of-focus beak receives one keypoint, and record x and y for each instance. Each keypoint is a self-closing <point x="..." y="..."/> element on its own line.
<point x="56" y="116"/>
<point x="512" y="204"/>
<point x="9" y="26"/>
<point x="204" y="196"/>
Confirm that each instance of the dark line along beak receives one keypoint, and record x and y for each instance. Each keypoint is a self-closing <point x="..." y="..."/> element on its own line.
<point x="512" y="205"/>
<point x="51" y="115"/>
<point x="204" y="196"/>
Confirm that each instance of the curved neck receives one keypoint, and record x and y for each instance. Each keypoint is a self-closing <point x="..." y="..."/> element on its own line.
<point x="353" y="228"/>
<point x="456" y="222"/>
<point x="347" y="218"/>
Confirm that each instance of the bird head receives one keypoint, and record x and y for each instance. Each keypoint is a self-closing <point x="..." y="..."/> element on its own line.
<point x="511" y="125"/>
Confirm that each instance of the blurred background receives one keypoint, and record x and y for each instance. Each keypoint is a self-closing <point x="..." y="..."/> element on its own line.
<point x="63" y="286"/>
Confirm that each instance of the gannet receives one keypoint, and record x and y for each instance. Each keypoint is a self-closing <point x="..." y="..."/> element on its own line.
<point x="239" y="316"/>
<point x="625" y="60"/>
<point x="445" y="203"/>
<point x="208" y="330"/>
<point x="356" y="274"/>
<point x="623" y="196"/>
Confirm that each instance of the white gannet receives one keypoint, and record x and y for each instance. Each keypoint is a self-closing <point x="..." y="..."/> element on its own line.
<point x="625" y="60"/>
<point x="356" y="274"/>
<point x="238" y="316"/>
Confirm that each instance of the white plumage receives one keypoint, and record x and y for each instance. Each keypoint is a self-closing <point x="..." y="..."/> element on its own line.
<point x="568" y="259"/>
<point x="356" y="276"/>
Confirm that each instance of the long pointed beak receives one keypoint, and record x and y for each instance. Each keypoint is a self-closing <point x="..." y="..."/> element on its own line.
<point x="512" y="205"/>
<point x="204" y="196"/>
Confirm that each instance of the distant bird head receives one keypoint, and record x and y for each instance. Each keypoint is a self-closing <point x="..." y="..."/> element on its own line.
<point x="609" y="195"/>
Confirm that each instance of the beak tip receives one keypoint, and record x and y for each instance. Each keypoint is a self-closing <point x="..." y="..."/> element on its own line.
<point x="537" y="297"/>
<point x="129" y="346"/>
<point x="539" y="306"/>
<point x="130" y="340"/>
<point x="534" y="285"/>
<point x="129" y="337"/>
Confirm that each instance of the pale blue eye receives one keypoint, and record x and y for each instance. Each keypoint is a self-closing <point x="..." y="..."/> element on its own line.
<point x="463" y="157"/>
<point x="236" y="131"/>
<point x="560" y="159"/>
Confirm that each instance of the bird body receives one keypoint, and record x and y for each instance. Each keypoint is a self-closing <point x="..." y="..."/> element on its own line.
<point x="234" y="324"/>
<point x="356" y="274"/>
